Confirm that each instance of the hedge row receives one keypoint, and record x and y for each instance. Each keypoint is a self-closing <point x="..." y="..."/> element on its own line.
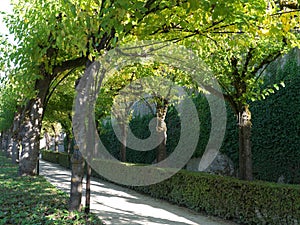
<point x="60" y="158"/>
<point x="244" y="202"/>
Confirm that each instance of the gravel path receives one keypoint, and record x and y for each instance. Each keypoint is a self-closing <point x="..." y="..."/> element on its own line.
<point x="119" y="206"/>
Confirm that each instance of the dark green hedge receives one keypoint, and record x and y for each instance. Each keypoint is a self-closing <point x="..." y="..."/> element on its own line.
<point x="60" y="158"/>
<point x="64" y="159"/>
<point x="276" y="129"/>
<point x="244" y="202"/>
<point x="50" y="156"/>
<point x="139" y="127"/>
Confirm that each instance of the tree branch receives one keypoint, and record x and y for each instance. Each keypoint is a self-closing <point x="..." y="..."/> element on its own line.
<point x="247" y="61"/>
<point x="69" y="64"/>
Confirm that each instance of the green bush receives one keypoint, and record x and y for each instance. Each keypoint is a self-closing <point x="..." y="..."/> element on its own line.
<point x="64" y="160"/>
<point x="139" y="127"/>
<point x="61" y="158"/>
<point x="276" y="130"/>
<point x="244" y="202"/>
<point x="50" y="156"/>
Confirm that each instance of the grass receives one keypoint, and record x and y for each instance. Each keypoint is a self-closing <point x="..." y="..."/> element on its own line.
<point x="33" y="200"/>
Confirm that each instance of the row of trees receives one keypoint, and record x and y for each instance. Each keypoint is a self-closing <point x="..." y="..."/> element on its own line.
<point x="58" y="40"/>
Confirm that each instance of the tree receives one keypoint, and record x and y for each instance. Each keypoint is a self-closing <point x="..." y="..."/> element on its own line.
<point x="56" y="36"/>
<point x="238" y="57"/>
<point x="147" y="83"/>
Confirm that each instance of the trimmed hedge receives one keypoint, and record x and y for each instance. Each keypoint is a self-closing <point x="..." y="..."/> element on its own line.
<point x="229" y="198"/>
<point x="64" y="159"/>
<point x="245" y="202"/>
<point x="50" y="156"/>
<point x="61" y="158"/>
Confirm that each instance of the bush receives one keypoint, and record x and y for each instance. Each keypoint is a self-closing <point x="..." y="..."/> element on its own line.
<point x="50" y="156"/>
<point x="64" y="159"/>
<point x="244" y="202"/>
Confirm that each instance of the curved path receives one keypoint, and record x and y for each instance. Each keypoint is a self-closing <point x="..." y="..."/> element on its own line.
<point x="119" y="206"/>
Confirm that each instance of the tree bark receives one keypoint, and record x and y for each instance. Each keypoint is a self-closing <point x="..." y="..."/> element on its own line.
<point x="16" y="139"/>
<point x="47" y="139"/>
<point x="76" y="180"/>
<point x="88" y="189"/>
<point x="15" y="152"/>
<point x="161" y="128"/>
<point x="68" y="142"/>
<point x="30" y="138"/>
<point x="3" y="133"/>
<point x="10" y="141"/>
<point x="55" y="139"/>
<point x="30" y="128"/>
<point x="245" y="154"/>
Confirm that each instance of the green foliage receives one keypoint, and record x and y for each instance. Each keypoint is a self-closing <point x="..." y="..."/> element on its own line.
<point x="58" y="107"/>
<point x="8" y="104"/>
<point x="276" y="133"/>
<point x="51" y="156"/>
<point x="33" y="200"/>
<point x="139" y="126"/>
<point x="244" y="202"/>
<point x="275" y="130"/>
<point x="64" y="159"/>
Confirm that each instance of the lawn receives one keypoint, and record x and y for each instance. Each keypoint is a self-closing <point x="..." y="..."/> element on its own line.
<point x="33" y="200"/>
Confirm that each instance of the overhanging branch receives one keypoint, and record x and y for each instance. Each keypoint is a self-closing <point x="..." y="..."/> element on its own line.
<point x="69" y="64"/>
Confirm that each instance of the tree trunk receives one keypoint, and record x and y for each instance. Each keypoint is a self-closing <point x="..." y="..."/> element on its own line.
<point x="4" y="141"/>
<point x="47" y="140"/>
<point x="9" y="144"/>
<point x="68" y="143"/>
<point x="1" y="139"/>
<point x="55" y="139"/>
<point x="16" y="139"/>
<point x="161" y="128"/>
<point x="76" y="180"/>
<point x="88" y="189"/>
<point x="245" y="154"/>
<point x="15" y="152"/>
<point x="123" y="142"/>
<point x="30" y="138"/>
<point x="30" y="129"/>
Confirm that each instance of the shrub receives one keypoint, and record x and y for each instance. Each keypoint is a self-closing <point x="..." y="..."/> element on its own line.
<point x="64" y="160"/>
<point x="50" y="156"/>
<point x="245" y="202"/>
